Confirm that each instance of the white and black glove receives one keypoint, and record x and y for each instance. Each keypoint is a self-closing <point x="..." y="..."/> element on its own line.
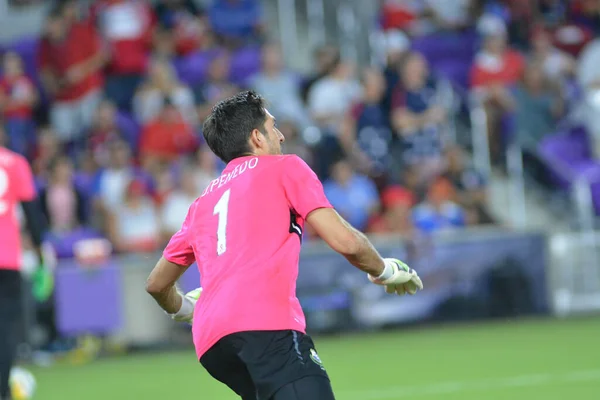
<point x="398" y="278"/>
<point x="188" y="303"/>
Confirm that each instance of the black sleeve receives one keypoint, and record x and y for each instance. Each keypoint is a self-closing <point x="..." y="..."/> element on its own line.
<point x="36" y="222"/>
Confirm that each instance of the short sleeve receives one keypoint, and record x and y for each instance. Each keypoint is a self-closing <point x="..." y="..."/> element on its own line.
<point x="24" y="182"/>
<point x="303" y="189"/>
<point x="179" y="251"/>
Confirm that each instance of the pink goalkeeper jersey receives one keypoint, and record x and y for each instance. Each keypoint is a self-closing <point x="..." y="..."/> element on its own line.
<point x="16" y="185"/>
<point x="245" y="234"/>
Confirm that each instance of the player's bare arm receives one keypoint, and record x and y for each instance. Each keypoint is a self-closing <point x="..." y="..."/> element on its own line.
<point x="161" y="285"/>
<point x="346" y="240"/>
<point x="396" y="276"/>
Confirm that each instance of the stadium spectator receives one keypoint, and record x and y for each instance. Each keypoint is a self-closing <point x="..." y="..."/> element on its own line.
<point x="236" y="21"/>
<point x="70" y="61"/>
<point x="396" y="202"/>
<point x="163" y="84"/>
<point x="419" y="116"/>
<point x="112" y="180"/>
<point x="163" y="184"/>
<point x="216" y="87"/>
<point x="133" y="225"/>
<point x="396" y="46"/>
<point x="366" y="135"/>
<point x="537" y="107"/>
<point x="103" y="131"/>
<point x="495" y="70"/>
<point x="325" y="58"/>
<point x="353" y="195"/>
<point x="62" y="203"/>
<point x="47" y="149"/>
<point x="186" y="22"/>
<point x="438" y="212"/>
<point x="126" y="27"/>
<point x="557" y="64"/>
<point x="470" y="187"/>
<point x="165" y="138"/>
<point x="293" y="141"/>
<point x="279" y="86"/>
<point x="18" y="97"/>
<point x="176" y="204"/>
<point x="204" y="165"/>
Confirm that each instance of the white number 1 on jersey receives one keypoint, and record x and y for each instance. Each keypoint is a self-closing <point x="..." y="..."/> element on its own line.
<point x="221" y="209"/>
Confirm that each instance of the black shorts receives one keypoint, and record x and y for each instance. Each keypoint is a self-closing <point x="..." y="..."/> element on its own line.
<point x="269" y="365"/>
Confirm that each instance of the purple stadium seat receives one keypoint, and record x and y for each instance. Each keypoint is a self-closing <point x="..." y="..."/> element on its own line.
<point x="27" y="48"/>
<point x="63" y="243"/>
<point x="129" y="128"/>
<point x="192" y="68"/>
<point x="456" y="71"/>
<point x="245" y="63"/>
<point x="440" y="47"/>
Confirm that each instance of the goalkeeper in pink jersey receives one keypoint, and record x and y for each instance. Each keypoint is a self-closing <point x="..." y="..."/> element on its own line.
<point x="245" y="233"/>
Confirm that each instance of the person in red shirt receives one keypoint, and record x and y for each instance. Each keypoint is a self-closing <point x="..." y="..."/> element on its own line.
<point x="18" y="96"/>
<point x="127" y="27"/>
<point x="70" y="62"/>
<point x="166" y="137"/>
<point x="495" y="70"/>
<point x="16" y="186"/>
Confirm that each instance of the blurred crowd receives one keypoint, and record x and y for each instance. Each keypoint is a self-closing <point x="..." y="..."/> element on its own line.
<point x="109" y="109"/>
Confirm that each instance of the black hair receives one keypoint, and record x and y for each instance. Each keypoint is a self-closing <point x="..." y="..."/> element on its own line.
<point x="229" y="125"/>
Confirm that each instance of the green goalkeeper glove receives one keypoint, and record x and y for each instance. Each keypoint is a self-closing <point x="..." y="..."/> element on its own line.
<point x="42" y="283"/>
<point x="398" y="278"/>
<point x="188" y="303"/>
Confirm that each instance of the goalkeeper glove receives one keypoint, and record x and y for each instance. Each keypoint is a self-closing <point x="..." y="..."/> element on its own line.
<point x="42" y="282"/>
<point x="188" y="303"/>
<point x="398" y="278"/>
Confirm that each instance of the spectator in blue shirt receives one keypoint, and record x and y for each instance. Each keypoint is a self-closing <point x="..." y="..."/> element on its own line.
<point x="353" y="195"/>
<point x="438" y="212"/>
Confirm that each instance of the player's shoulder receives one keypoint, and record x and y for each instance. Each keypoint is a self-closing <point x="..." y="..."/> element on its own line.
<point x="291" y="161"/>
<point x="9" y="158"/>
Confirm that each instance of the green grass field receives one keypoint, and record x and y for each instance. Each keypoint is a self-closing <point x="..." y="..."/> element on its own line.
<point x="525" y="360"/>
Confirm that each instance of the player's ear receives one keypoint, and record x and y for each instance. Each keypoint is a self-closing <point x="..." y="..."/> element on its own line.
<point x="257" y="140"/>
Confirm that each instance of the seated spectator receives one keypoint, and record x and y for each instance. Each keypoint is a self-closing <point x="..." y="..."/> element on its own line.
<point x="48" y="148"/>
<point x="236" y="21"/>
<point x="396" y="217"/>
<point x="401" y="14"/>
<point x="165" y="138"/>
<point x="205" y="167"/>
<point x="419" y="117"/>
<point x="104" y="130"/>
<point x="280" y="87"/>
<point x="112" y="180"/>
<point x="293" y="141"/>
<point x="470" y="187"/>
<point x="126" y="27"/>
<point x="18" y="97"/>
<point x="62" y="203"/>
<point x="537" y="107"/>
<point x="330" y="98"/>
<point x="396" y="46"/>
<point x="354" y="196"/>
<point x="133" y="226"/>
<point x="365" y="134"/>
<point x="70" y="62"/>
<point x="217" y="86"/>
<point x="557" y="65"/>
<point x="438" y="212"/>
<point x="588" y="77"/>
<point x="187" y="22"/>
<point x="177" y="203"/>
<point x="496" y="68"/>
<point x="586" y="13"/>
<point x="325" y="59"/>
<point x="163" y="180"/>
<point x="163" y="84"/>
